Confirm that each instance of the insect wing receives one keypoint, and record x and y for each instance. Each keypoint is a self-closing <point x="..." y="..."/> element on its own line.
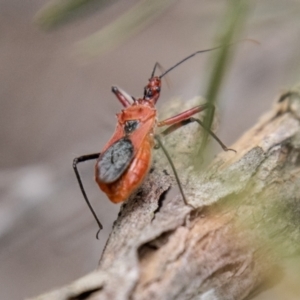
<point x="115" y="160"/>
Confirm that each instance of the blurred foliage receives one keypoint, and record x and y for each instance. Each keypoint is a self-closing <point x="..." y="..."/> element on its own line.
<point x="115" y="33"/>
<point x="56" y="12"/>
<point x="124" y="27"/>
<point x="227" y="34"/>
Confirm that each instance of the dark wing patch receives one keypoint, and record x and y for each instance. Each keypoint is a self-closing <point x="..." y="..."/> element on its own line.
<point x="115" y="160"/>
<point x="131" y="126"/>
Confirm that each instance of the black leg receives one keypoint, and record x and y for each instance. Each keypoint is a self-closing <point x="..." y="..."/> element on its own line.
<point x="190" y="120"/>
<point x="76" y="161"/>
<point x="173" y="168"/>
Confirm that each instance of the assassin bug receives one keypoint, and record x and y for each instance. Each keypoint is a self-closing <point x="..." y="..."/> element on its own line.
<point x="125" y="160"/>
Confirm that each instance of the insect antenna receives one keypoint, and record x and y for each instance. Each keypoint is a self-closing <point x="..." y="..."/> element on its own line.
<point x="173" y="168"/>
<point x="154" y="69"/>
<point x="162" y="70"/>
<point x="202" y="51"/>
<point x="188" y="57"/>
<point x="160" y="67"/>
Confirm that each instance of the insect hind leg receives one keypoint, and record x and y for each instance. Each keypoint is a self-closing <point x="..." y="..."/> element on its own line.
<point x="76" y="161"/>
<point x="191" y="120"/>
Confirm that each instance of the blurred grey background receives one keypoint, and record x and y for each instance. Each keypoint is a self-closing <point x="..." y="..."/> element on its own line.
<point x="56" y="105"/>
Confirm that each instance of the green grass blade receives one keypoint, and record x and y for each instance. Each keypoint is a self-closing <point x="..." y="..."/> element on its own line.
<point x="227" y="34"/>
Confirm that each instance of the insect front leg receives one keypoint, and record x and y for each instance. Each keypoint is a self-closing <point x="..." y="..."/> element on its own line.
<point x="76" y="161"/>
<point x="122" y="96"/>
<point x="185" y="118"/>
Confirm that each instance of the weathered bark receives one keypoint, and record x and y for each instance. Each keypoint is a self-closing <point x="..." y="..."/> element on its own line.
<point x="229" y="246"/>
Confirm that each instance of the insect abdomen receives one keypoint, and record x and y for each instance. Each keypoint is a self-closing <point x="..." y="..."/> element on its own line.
<point x="123" y="187"/>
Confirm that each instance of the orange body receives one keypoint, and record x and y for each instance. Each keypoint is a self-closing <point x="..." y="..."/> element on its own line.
<point x="143" y="141"/>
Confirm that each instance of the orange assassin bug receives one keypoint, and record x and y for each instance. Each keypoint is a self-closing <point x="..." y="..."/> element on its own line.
<point x="126" y="158"/>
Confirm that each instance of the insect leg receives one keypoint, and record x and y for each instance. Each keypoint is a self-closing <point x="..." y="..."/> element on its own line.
<point x="186" y="114"/>
<point x="191" y="120"/>
<point x="185" y="118"/>
<point x="157" y="137"/>
<point x="122" y="96"/>
<point x="76" y="161"/>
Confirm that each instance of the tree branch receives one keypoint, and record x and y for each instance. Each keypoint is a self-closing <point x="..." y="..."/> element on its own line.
<point x="230" y="246"/>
